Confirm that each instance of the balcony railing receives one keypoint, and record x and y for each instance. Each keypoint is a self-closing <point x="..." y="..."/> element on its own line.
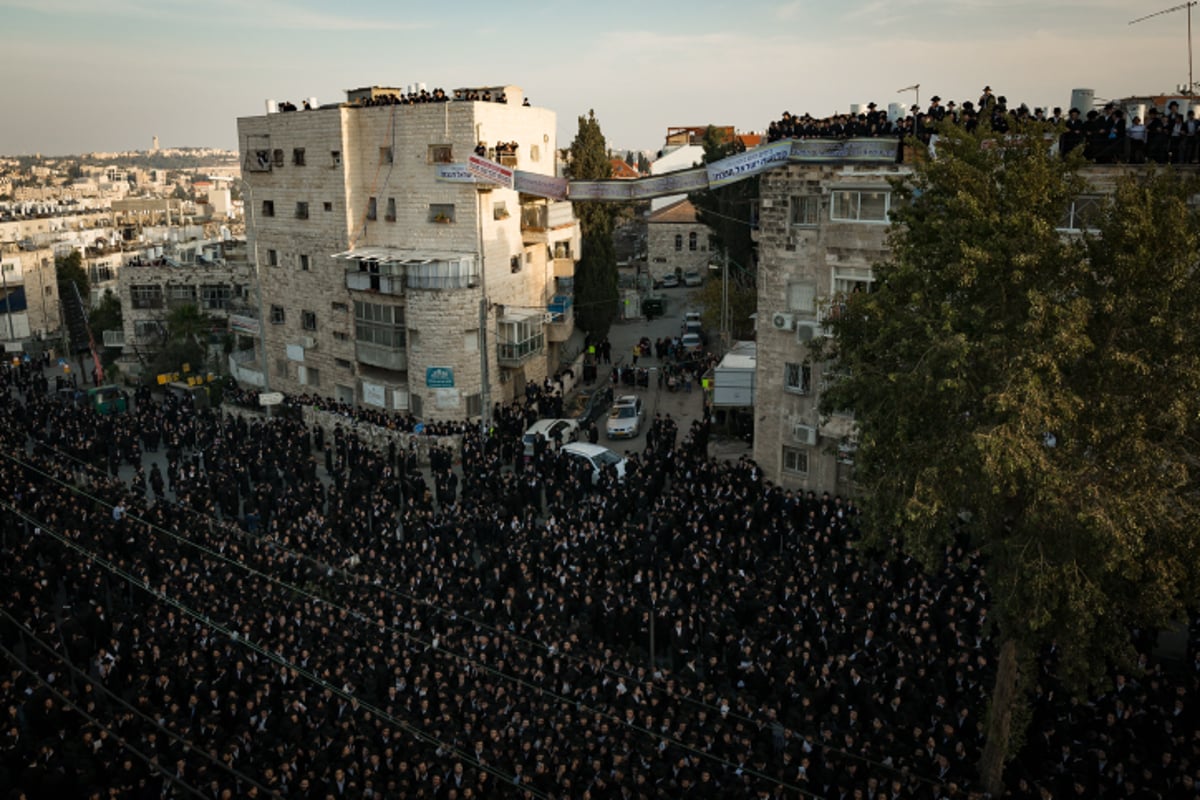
<point x="376" y="355"/>
<point x="514" y="354"/>
<point x="388" y="280"/>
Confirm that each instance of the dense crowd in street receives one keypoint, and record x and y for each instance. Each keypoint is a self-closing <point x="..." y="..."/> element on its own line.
<point x="289" y="611"/>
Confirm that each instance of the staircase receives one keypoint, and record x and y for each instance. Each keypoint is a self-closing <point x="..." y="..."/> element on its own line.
<point x="75" y="317"/>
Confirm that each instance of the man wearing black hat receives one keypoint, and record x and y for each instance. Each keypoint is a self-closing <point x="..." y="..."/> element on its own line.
<point x="1174" y="124"/>
<point x="1157" y="138"/>
<point x="1073" y="135"/>
<point x="935" y="108"/>
<point x="986" y="99"/>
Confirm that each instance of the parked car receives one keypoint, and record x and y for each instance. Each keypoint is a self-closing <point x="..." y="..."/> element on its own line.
<point x="693" y="278"/>
<point x="669" y="281"/>
<point x="561" y="430"/>
<point x="625" y="418"/>
<point x="597" y="458"/>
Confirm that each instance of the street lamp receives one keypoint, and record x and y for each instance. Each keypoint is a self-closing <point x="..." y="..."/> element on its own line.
<point x="247" y="212"/>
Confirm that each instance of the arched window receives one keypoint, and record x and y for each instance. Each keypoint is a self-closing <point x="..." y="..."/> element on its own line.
<point x="678" y="242"/>
<point x="692" y="241"/>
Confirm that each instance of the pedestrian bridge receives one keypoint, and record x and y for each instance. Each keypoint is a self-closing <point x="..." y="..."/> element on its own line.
<point x="481" y="171"/>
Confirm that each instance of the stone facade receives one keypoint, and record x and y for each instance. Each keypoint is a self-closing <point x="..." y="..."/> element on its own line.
<point x="676" y="241"/>
<point x="359" y="182"/>
<point x="813" y="249"/>
<point x="31" y="282"/>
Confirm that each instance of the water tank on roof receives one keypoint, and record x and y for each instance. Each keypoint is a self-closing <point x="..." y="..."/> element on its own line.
<point x="895" y="111"/>
<point x="420" y="87"/>
<point x="272" y="107"/>
<point x="312" y="102"/>
<point x="1135" y="110"/>
<point x="1083" y="99"/>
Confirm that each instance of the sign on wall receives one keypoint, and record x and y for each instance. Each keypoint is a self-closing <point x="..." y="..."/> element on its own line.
<point x="374" y="394"/>
<point x="439" y="377"/>
<point x="490" y="171"/>
<point x="751" y="162"/>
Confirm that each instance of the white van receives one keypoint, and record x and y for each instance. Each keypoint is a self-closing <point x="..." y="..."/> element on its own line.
<point x="597" y="458"/>
<point x="567" y="430"/>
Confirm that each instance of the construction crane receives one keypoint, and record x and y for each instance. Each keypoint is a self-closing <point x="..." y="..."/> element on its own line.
<point x="1182" y="7"/>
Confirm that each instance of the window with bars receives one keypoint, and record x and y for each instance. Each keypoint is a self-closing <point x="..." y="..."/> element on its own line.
<point x="308" y="320"/>
<point x="797" y="378"/>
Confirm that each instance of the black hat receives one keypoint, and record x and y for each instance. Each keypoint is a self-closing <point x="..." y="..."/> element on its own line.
<point x="1074" y="111"/>
<point x="935" y="99"/>
<point x="1173" y="104"/>
<point x="951" y="103"/>
<point x="870" y="105"/>
<point x="987" y="88"/>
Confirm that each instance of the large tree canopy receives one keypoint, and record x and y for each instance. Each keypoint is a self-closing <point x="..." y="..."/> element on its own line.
<point x="596" y="273"/>
<point x="1037" y="394"/>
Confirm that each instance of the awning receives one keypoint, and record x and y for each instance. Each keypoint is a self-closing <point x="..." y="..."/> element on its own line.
<point x="394" y="255"/>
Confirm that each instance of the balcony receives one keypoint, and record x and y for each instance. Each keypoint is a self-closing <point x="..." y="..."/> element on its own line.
<point x="561" y="313"/>
<point x="376" y="355"/>
<point x="521" y="339"/>
<point x="381" y="278"/>
<point x="245" y="367"/>
<point x="538" y="220"/>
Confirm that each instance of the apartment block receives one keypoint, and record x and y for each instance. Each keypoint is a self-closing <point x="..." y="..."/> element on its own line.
<point x="28" y="295"/>
<point x="388" y="287"/>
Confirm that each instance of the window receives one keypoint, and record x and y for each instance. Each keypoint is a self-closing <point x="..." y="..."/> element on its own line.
<point x="441" y="212"/>
<point x="514" y="264"/>
<point x="272" y="258"/>
<point x="308" y="320"/>
<point x="692" y="241"/>
<point x="441" y="154"/>
<point x="1082" y="215"/>
<point x="309" y="376"/>
<point x="847" y="282"/>
<point x="281" y="367"/>
<point x="534" y="153"/>
<point x="328" y="206"/>
<point x="335" y="158"/>
<point x="521" y="338"/>
<point x="390" y="216"/>
<point x="802" y="297"/>
<point x="859" y="206"/>
<point x="474" y="405"/>
<point x="277" y="157"/>
<point x="414" y="404"/>
<point x="806" y="210"/>
<point x="341" y="336"/>
<point x="385" y="155"/>
<point x="301" y="210"/>
<point x="797" y="378"/>
<point x="795" y="461"/>
<point x="372" y="208"/>
<point x="298" y="156"/>
<point x="344" y="364"/>
<point x="50" y="290"/>
<point x="278" y="316"/>
<point x="499" y="210"/>
<point x="181" y="296"/>
<point x="303" y="262"/>
<point x="146" y="296"/>
<point x="339" y="306"/>
<point x="268" y="208"/>
<point x="146" y="329"/>
<point x="216" y="297"/>
<point x="378" y="324"/>
<point x="678" y="242"/>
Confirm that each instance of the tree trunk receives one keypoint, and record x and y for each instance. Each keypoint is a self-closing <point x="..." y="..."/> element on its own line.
<point x="1000" y="718"/>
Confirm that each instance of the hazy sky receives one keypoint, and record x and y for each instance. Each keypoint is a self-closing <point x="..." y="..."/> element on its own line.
<point x="86" y="75"/>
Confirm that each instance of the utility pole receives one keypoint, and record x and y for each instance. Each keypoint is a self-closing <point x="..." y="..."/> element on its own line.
<point x="726" y="317"/>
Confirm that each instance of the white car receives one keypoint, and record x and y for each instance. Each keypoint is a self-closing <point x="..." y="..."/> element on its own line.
<point x="691" y="341"/>
<point x="693" y="278"/>
<point x="565" y="430"/>
<point x="597" y="458"/>
<point x="624" y="418"/>
<point x="669" y="281"/>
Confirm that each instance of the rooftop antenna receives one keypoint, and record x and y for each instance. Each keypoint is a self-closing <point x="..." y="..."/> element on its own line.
<point x="1188" y="6"/>
<point x="916" y="87"/>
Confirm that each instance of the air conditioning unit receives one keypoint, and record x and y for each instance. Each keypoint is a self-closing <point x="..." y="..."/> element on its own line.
<point x="804" y="434"/>
<point x="781" y="321"/>
<point x="807" y="330"/>
<point x="308" y="342"/>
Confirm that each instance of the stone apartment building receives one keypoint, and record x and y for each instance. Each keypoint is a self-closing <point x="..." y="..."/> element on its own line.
<point x="28" y="295"/>
<point x="676" y="240"/>
<point x="822" y="228"/>
<point x="388" y="287"/>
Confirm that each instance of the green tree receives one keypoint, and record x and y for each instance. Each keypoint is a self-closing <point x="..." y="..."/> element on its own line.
<point x="728" y="210"/>
<point x="643" y="164"/>
<point x="69" y="269"/>
<point x="184" y="340"/>
<point x="1036" y="395"/>
<point x="596" y="273"/>
<point x="106" y="316"/>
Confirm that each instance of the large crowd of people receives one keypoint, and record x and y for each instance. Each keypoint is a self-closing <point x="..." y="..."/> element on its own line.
<point x="288" y="611"/>
<point x="1165" y="136"/>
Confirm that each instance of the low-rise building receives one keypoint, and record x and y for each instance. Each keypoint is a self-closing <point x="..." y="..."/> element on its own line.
<point x="677" y="241"/>
<point x="29" y="306"/>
